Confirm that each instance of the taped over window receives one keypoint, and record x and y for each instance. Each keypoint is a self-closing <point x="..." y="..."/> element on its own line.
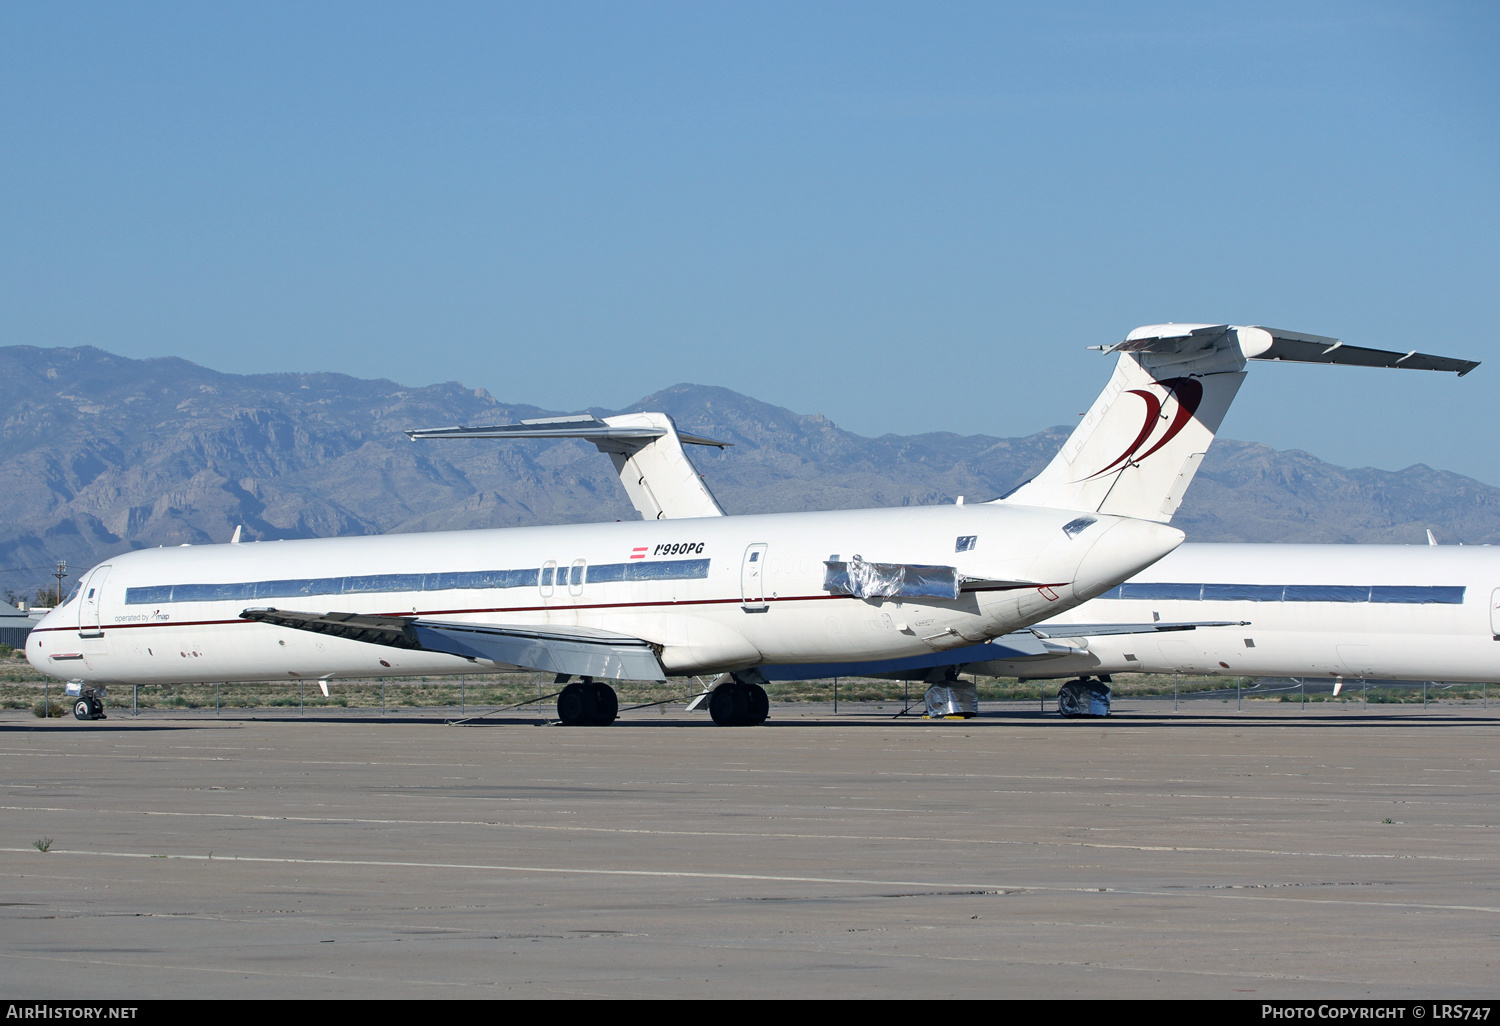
<point x="890" y="580"/>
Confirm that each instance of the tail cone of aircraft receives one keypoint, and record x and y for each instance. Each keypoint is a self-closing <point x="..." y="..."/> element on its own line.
<point x="1121" y="552"/>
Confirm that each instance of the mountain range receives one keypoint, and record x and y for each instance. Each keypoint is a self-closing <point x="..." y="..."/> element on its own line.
<point x="100" y="454"/>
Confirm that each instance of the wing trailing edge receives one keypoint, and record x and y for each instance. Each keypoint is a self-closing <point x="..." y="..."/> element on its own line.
<point x="579" y="651"/>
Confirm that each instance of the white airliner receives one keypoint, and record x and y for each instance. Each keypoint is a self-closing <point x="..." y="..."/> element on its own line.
<point x="1369" y="612"/>
<point x="689" y="590"/>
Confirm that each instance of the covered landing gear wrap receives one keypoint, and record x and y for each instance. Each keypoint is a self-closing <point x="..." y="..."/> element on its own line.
<point x="740" y="701"/>
<point x="88" y="700"/>
<point x="587" y="703"/>
<point x="1085" y="696"/>
<point x="948" y="697"/>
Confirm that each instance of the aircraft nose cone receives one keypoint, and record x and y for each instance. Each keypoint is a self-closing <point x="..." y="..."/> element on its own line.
<point x="1121" y="552"/>
<point x="33" y="653"/>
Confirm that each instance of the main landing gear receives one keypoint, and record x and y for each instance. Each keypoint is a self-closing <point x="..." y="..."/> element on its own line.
<point x="1085" y="696"/>
<point x="587" y="703"/>
<point x="739" y="703"/>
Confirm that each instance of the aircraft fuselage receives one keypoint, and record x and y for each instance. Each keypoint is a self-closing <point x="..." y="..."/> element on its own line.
<point x="713" y="594"/>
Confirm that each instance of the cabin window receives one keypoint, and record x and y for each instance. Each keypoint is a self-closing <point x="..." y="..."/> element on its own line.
<point x="450" y="580"/>
<point x="965" y="542"/>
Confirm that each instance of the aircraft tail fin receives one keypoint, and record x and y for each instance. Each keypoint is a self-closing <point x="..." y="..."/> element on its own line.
<point x="646" y="449"/>
<point x="1140" y="444"/>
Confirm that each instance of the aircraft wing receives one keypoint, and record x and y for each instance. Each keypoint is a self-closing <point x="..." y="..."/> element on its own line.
<point x="578" y="651"/>
<point x="1053" y="631"/>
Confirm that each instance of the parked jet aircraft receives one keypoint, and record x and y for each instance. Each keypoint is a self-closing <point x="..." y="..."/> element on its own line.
<point x="1372" y="612"/>
<point x="702" y="593"/>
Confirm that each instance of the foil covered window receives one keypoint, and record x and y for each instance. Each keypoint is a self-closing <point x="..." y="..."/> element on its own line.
<point x="1073" y="528"/>
<point x="889" y="580"/>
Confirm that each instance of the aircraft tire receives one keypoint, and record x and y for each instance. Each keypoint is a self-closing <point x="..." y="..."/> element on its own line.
<point x="606" y="705"/>
<point x="98" y="709"/>
<point x="728" y="705"/>
<point x="1070" y="700"/>
<point x="578" y="705"/>
<point x="759" y="705"/>
<point x="82" y="710"/>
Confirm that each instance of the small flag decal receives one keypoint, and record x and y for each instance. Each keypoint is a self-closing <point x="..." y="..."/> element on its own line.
<point x="638" y="552"/>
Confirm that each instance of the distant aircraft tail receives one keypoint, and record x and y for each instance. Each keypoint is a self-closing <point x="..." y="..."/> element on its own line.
<point x="1138" y="447"/>
<point x="646" y="449"/>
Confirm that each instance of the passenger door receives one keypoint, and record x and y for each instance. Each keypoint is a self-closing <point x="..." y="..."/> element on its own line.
<point x="753" y="578"/>
<point x="90" y="611"/>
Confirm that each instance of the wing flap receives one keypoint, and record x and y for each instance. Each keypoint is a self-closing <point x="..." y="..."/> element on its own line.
<point x="577" y="651"/>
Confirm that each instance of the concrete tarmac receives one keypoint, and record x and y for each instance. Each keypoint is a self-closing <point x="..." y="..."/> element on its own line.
<point x="1273" y="853"/>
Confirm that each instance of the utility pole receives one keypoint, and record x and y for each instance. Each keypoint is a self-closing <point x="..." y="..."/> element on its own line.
<point x="62" y="571"/>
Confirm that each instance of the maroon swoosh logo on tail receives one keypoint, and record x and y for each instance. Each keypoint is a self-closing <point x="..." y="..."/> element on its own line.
<point x="1189" y="395"/>
<point x="1153" y="410"/>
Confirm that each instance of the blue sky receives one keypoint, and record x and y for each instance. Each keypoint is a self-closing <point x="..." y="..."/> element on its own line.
<point x="907" y="216"/>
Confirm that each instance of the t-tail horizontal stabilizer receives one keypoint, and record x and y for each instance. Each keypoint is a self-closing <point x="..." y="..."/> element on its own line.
<point x="646" y="449"/>
<point x="1144" y="438"/>
<point x="579" y="651"/>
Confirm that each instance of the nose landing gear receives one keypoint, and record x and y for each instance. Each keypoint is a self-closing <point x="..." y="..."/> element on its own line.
<point x="87" y="700"/>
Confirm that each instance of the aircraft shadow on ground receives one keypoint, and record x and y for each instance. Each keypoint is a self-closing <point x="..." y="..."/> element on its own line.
<point x="1164" y="719"/>
<point x="78" y="728"/>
